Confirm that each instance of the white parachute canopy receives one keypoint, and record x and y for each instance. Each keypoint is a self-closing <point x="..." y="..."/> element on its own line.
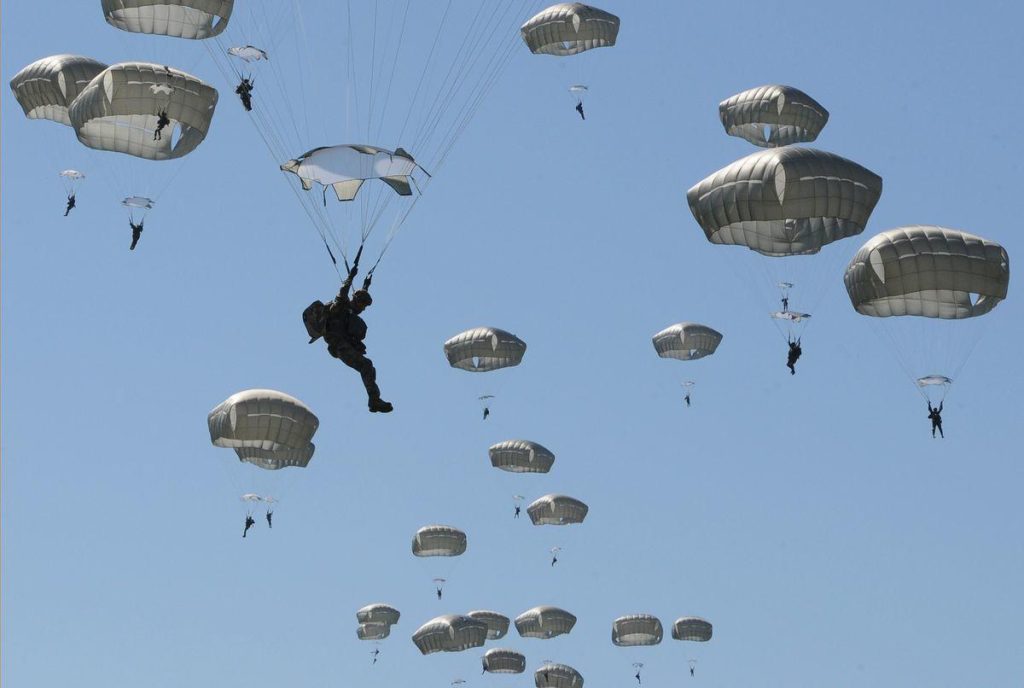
<point x="193" y="19"/>
<point x="772" y="116"/>
<point x="345" y="168"/>
<point x="544" y="622"/>
<point x="248" y="53"/>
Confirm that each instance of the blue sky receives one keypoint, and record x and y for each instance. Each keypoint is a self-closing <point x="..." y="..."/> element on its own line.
<point x="811" y="518"/>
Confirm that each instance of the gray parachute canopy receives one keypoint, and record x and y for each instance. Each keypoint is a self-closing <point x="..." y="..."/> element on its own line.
<point x="119" y="109"/>
<point x="691" y="628"/>
<point x="484" y="349"/>
<point x="636" y="629"/>
<point x="373" y="631"/>
<point x="450" y="633"/>
<point x="686" y="341"/>
<point x="557" y="510"/>
<point x="552" y="675"/>
<point x="928" y="271"/>
<point x="438" y="541"/>
<point x="569" y="28"/>
<point x="46" y="88"/>
<point x="772" y="116"/>
<point x="378" y="613"/>
<point x="174" y="18"/>
<point x="497" y="624"/>
<point x="544" y="622"/>
<point x="521" y="456"/>
<point x="504" y="661"/>
<point x="267" y="428"/>
<point x="344" y="168"/>
<point x="785" y="201"/>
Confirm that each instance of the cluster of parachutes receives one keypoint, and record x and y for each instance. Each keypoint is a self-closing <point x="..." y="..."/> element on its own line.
<point x="792" y="202"/>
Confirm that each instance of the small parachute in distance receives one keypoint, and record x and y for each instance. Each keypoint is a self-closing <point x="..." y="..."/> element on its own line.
<point x="264" y="427"/>
<point x="450" y="633"/>
<point x="557" y="510"/>
<point x="373" y="631"/>
<point x="933" y="380"/>
<point x="569" y="28"/>
<point x="557" y="676"/>
<point x="686" y="341"/>
<point x="635" y="630"/>
<point x="378" y="613"/>
<point x="484" y="349"/>
<point x="692" y="628"/>
<point x="138" y="202"/>
<point x="497" y="624"/>
<point x="772" y="116"/>
<point x="344" y="168"/>
<point x="253" y="497"/>
<point x="438" y="541"/>
<point x="544" y="622"/>
<point x="521" y="456"/>
<point x="248" y="53"/>
<point x="791" y="316"/>
<point x="72" y="174"/>
<point x="503" y="661"/>
<point x="191" y="19"/>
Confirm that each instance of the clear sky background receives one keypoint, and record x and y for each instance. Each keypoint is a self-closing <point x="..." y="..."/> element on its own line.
<point x="810" y="518"/>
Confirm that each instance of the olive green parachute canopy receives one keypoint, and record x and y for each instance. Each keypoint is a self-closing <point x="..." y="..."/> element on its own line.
<point x="438" y="541"/>
<point x="636" y="629"/>
<point x="119" y="109"/>
<point x="497" y="624"/>
<point x="785" y="201"/>
<point x="544" y="622"/>
<point x="928" y="271"/>
<point x="552" y="675"/>
<point x="46" y="88"/>
<point x="484" y="349"/>
<point x="267" y="428"/>
<point x="450" y="633"/>
<point x="378" y="613"/>
<point x="174" y="18"/>
<point x="772" y="116"/>
<point x="373" y="631"/>
<point x="345" y="168"/>
<point x="557" y="510"/>
<point x="691" y="628"/>
<point x="570" y="28"/>
<point x="503" y="661"/>
<point x="521" y="456"/>
<point x="686" y="341"/>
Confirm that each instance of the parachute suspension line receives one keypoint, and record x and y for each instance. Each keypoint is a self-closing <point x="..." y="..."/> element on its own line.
<point x="391" y="77"/>
<point x="423" y="73"/>
<point x="898" y="350"/>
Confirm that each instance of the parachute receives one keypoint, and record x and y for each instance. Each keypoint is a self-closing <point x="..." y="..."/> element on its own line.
<point x="438" y="541"/>
<point x="118" y="111"/>
<point x="557" y="510"/>
<point x="483" y="349"/>
<point x="497" y="624"/>
<point x="785" y="202"/>
<point x="345" y="168"/>
<point x="772" y="116"/>
<point x="193" y="19"/>
<point x="450" y="633"/>
<point x="786" y="205"/>
<point x="267" y="428"/>
<point x="502" y="661"/>
<point x="557" y="676"/>
<point x="914" y="281"/>
<point x="686" y="341"/>
<point x="521" y="456"/>
<point x="636" y="629"/>
<point x="544" y="622"/>
<point x="378" y="613"/>
<point x="47" y="87"/>
<point x="569" y="29"/>
<point x="691" y="628"/>
<point x="399" y="76"/>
